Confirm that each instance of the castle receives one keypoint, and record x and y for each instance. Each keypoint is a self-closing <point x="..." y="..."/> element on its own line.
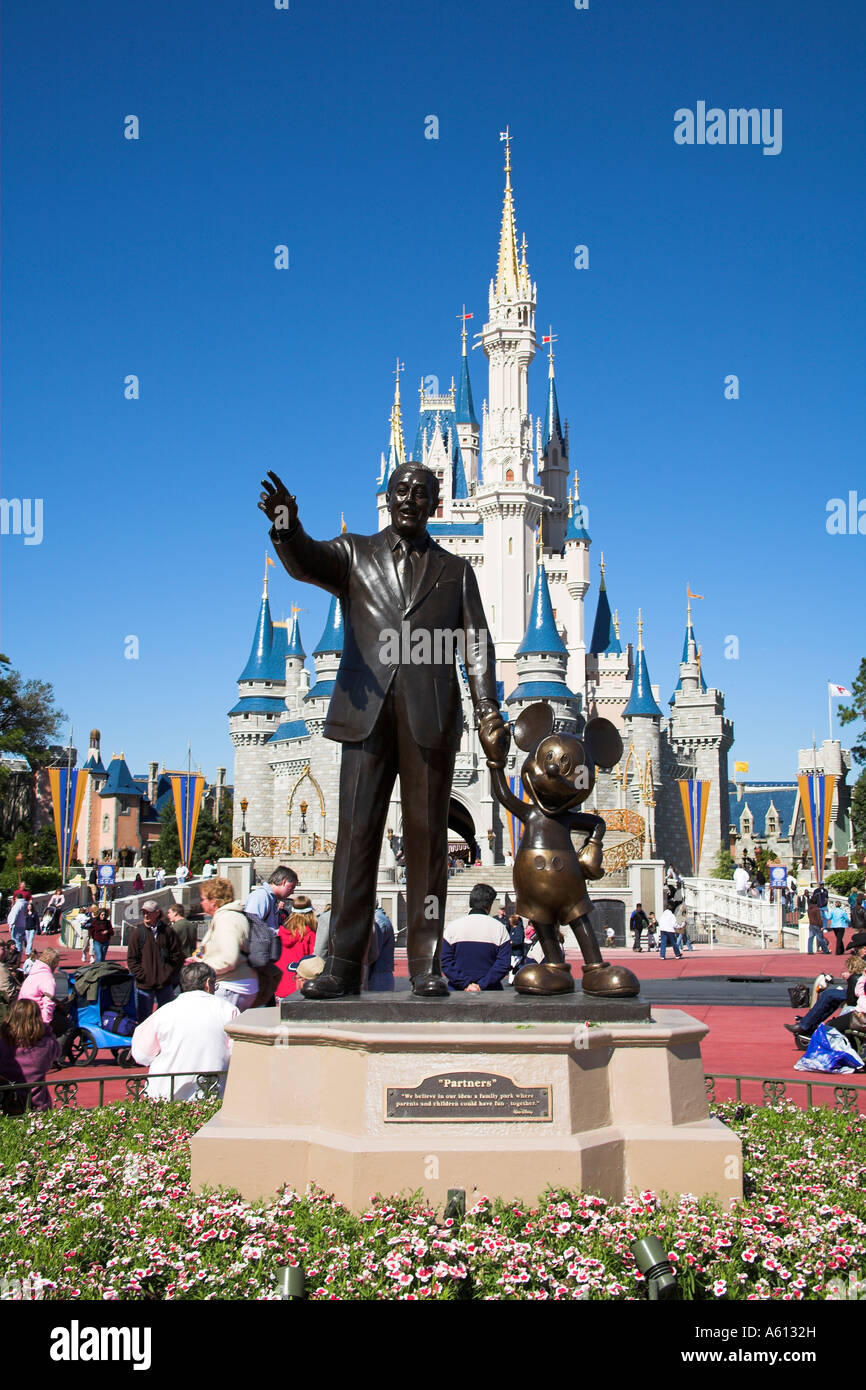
<point x="509" y="504"/>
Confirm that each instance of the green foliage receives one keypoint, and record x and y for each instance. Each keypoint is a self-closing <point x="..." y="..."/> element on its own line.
<point x="724" y="865"/>
<point x="28" y="723"/>
<point x="28" y="718"/>
<point x="40" y="878"/>
<point x="212" y="841"/>
<point x="856" y="710"/>
<point x="846" y="881"/>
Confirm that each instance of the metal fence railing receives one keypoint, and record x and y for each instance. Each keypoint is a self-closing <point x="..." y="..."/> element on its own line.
<point x="846" y="1098"/>
<point x="17" y="1098"/>
<point x="775" y="1088"/>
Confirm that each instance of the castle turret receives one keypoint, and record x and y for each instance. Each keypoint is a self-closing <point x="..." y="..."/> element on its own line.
<point x="326" y="657"/>
<point x="553" y="464"/>
<point x="467" y="427"/>
<point x="577" y="543"/>
<point x="608" y="667"/>
<point x="640" y="770"/>
<point x="700" y="738"/>
<point x="510" y="503"/>
<point x="256" y="716"/>
<point x="542" y="659"/>
<point x="396" y="449"/>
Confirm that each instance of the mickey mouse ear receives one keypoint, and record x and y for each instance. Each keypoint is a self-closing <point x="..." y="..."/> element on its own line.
<point x="603" y="742"/>
<point x="532" y="726"/>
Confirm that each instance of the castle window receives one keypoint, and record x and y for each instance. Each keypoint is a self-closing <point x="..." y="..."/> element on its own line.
<point x="104" y="824"/>
<point x="510" y="546"/>
<point x="527" y="583"/>
<point x="509" y="475"/>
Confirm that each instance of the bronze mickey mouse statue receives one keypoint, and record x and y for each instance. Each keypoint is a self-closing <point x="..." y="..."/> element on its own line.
<point x="549" y="876"/>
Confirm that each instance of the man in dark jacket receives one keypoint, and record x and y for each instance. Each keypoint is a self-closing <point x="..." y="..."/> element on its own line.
<point x="476" y="951"/>
<point x="637" y="922"/>
<point x="154" y="955"/>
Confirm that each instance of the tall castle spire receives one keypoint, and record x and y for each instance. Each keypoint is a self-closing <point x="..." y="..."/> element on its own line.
<point x="508" y="268"/>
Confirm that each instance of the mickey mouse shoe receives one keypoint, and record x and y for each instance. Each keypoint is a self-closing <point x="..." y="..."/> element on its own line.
<point x="610" y="981"/>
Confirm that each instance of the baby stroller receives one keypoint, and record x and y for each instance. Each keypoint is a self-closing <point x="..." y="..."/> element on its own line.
<point x="99" y="1011"/>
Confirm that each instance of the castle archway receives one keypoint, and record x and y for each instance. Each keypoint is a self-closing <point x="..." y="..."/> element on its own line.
<point x="461" y="832"/>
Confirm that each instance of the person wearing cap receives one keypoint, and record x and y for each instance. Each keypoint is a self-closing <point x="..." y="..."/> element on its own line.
<point x="154" y="956"/>
<point x="836" y="995"/>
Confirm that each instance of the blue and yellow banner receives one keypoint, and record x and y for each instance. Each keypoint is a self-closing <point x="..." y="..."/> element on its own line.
<point x="816" y="798"/>
<point x="696" y="800"/>
<point x="67" y="793"/>
<point x="515" y="826"/>
<point x="186" y="790"/>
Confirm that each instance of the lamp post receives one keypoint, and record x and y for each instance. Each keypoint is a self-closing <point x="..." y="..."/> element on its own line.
<point x="244" y="804"/>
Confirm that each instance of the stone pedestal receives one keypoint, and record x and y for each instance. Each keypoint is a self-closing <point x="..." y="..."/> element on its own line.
<point x="499" y="1108"/>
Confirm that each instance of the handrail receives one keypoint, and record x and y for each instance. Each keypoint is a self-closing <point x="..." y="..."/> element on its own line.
<point x="66" y="1092"/>
<point x="774" y="1088"/>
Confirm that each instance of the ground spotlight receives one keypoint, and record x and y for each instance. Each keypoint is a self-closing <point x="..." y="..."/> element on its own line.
<point x="655" y="1266"/>
<point x="292" y="1281"/>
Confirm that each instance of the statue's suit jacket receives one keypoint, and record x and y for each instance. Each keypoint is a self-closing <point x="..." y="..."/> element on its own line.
<point x="362" y="572"/>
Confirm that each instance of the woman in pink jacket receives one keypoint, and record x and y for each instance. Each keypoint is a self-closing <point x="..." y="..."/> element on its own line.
<point x="40" y="985"/>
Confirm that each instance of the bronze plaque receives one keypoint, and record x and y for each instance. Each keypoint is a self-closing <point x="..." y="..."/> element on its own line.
<point x="466" y="1095"/>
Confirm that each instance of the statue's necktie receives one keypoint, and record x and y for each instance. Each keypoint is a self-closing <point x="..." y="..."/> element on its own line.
<point x="404" y="569"/>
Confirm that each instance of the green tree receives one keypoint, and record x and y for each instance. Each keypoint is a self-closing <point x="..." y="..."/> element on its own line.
<point x="212" y="841"/>
<point x="28" y="723"/>
<point x="856" y="710"/>
<point x="724" y="865"/>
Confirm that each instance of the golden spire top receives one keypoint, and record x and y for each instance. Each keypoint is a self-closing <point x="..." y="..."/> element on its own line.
<point x="343" y="527"/>
<point x="268" y="562"/>
<point x="576" y="486"/>
<point x="396" y="440"/>
<point x="463" y="317"/>
<point x="688" y="606"/>
<point x="616" y="623"/>
<point x="507" y="269"/>
<point x="539" y="546"/>
<point x="640" y="630"/>
<point x="602" y="585"/>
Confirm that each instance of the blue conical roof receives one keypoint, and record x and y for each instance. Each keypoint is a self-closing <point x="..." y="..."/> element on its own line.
<point x="688" y="641"/>
<point x="458" y="482"/>
<point x="541" y="635"/>
<point x="331" y="639"/>
<point x="641" y="700"/>
<point x="575" y="529"/>
<point x="120" y="781"/>
<point x="604" y="640"/>
<point x="464" y="409"/>
<point x="294" y="646"/>
<point x="94" y="766"/>
<point x="266" y="658"/>
<point x="552" y="425"/>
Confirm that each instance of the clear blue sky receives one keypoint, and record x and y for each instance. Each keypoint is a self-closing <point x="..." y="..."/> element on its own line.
<point x="306" y="127"/>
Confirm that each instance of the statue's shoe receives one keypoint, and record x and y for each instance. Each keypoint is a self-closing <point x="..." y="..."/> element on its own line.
<point x="430" y="986"/>
<point x="540" y="978"/>
<point x="329" y="986"/>
<point x="610" y="981"/>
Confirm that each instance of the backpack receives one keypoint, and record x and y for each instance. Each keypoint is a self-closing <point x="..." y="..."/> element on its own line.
<point x="264" y="946"/>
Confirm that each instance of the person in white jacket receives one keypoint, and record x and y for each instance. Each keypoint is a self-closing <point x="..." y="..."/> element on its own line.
<point x="186" y="1036"/>
<point x="224" y="946"/>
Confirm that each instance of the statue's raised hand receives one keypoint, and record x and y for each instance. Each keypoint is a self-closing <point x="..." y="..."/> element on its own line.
<point x="278" y="504"/>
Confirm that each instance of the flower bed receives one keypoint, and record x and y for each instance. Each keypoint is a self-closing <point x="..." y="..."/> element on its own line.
<point x="97" y="1204"/>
